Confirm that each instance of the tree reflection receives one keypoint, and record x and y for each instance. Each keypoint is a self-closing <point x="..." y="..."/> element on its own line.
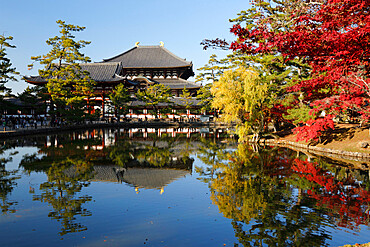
<point x="211" y="153"/>
<point x="68" y="161"/>
<point x="7" y="184"/>
<point x="122" y="153"/>
<point x="155" y="156"/>
<point x="276" y="197"/>
<point x="65" y="181"/>
<point x="158" y="152"/>
<point x="347" y="199"/>
<point x="252" y="190"/>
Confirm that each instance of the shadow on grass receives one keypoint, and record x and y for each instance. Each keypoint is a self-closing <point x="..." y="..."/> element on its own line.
<point x="341" y="133"/>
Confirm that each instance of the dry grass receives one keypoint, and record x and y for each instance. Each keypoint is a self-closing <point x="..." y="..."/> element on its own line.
<point x="357" y="245"/>
<point x="345" y="137"/>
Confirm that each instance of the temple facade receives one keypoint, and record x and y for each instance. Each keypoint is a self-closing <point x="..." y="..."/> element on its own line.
<point x="138" y="68"/>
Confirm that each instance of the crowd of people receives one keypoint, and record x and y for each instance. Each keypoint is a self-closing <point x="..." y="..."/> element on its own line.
<point x="9" y="123"/>
<point x="18" y="122"/>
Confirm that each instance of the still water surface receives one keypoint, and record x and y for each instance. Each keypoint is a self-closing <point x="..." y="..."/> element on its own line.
<point x="166" y="187"/>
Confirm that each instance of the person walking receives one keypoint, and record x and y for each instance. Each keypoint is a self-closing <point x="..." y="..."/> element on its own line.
<point x="4" y="125"/>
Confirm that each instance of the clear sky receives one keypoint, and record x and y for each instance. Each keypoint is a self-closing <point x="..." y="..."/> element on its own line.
<point x="114" y="26"/>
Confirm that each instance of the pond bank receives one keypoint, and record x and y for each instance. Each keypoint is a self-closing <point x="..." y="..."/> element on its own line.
<point x="346" y="141"/>
<point x="357" y="245"/>
<point x="357" y="160"/>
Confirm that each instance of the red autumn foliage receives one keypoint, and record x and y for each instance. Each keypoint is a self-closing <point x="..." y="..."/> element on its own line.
<point x="314" y="128"/>
<point x="344" y="198"/>
<point x="333" y="37"/>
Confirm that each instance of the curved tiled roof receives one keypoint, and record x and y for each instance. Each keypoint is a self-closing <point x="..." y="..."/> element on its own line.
<point x="99" y="72"/>
<point x="149" y="57"/>
<point x="103" y="71"/>
<point x="177" y="83"/>
<point x="149" y="178"/>
<point x="182" y="101"/>
<point x="172" y="83"/>
<point x="174" y="101"/>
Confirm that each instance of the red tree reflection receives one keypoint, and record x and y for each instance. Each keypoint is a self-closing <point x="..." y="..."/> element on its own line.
<point x="346" y="199"/>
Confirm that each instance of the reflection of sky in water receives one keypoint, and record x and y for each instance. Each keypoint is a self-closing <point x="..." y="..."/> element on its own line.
<point x="17" y="154"/>
<point x="183" y="215"/>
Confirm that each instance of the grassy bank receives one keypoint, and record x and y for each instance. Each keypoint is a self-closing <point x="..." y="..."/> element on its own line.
<point x="357" y="245"/>
<point x="346" y="137"/>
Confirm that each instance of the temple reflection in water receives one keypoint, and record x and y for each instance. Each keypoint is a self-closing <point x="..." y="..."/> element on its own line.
<point x="163" y="181"/>
<point x="142" y="158"/>
<point x="109" y="136"/>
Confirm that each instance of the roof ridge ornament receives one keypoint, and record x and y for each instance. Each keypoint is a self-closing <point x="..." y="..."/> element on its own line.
<point x="161" y="44"/>
<point x="137" y="44"/>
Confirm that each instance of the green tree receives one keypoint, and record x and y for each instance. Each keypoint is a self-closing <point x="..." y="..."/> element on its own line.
<point x="212" y="71"/>
<point x="186" y="100"/>
<point x="153" y="95"/>
<point x="120" y="97"/>
<point x="205" y="96"/>
<point x="250" y="27"/>
<point x="28" y="96"/>
<point x="279" y="73"/>
<point x="35" y="97"/>
<point x="7" y="72"/>
<point x="209" y="73"/>
<point x="242" y="97"/>
<point x="67" y="84"/>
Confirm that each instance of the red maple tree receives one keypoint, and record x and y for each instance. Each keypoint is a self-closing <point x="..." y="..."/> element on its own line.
<point x="333" y="37"/>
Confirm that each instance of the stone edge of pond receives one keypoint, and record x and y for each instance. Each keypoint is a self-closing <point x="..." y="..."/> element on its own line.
<point x="319" y="150"/>
<point x="52" y="130"/>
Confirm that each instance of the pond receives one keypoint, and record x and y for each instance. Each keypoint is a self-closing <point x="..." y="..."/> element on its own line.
<point x="175" y="187"/>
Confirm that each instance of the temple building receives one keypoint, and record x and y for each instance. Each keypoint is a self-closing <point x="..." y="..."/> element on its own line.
<point x="138" y="68"/>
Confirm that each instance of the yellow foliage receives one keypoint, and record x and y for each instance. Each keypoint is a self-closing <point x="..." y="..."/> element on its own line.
<point x="240" y="95"/>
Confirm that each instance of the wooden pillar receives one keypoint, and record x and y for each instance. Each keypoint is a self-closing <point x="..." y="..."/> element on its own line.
<point x="103" y="139"/>
<point x="88" y="106"/>
<point x="102" y="105"/>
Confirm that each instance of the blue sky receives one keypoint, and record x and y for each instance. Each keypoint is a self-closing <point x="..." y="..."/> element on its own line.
<point x="113" y="26"/>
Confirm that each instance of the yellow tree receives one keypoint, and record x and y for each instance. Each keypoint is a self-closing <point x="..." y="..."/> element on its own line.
<point x="242" y="96"/>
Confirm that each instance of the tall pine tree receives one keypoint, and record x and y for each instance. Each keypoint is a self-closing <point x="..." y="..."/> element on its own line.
<point x="153" y="95"/>
<point x="68" y="86"/>
<point x="7" y="72"/>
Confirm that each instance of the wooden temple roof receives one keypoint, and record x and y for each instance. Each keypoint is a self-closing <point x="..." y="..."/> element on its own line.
<point x="174" y="101"/>
<point x="149" y="57"/>
<point x="104" y="71"/>
<point x="99" y="72"/>
<point x="148" y="178"/>
<point x="177" y="83"/>
<point x="172" y="83"/>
